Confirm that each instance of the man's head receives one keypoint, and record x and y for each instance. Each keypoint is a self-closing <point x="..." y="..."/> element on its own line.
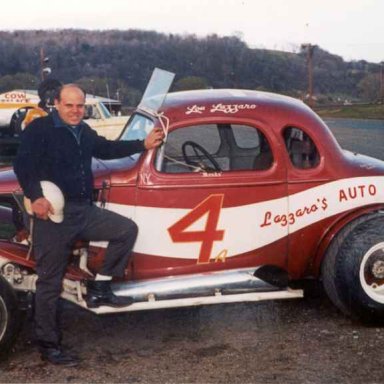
<point x="69" y="103"/>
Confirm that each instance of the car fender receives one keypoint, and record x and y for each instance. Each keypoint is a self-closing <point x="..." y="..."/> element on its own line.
<point x="333" y="230"/>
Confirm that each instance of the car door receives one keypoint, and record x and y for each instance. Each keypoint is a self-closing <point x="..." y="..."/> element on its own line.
<point x="308" y="196"/>
<point x="213" y="197"/>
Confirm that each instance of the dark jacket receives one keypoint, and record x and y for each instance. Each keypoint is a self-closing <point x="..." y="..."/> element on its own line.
<point x="50" y="150"/>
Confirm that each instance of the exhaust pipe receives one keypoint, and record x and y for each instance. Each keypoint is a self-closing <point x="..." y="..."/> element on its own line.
<point x="196" y="285"/>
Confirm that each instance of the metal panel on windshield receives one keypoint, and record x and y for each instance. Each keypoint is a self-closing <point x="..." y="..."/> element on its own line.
<point x="156" y="90"/>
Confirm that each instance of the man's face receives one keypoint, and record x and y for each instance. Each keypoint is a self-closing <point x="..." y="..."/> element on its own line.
<point x="71" y="105"/>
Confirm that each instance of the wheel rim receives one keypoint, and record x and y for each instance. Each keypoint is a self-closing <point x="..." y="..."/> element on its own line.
<point x="372" y="273"/>
<point x="3" y="318"/>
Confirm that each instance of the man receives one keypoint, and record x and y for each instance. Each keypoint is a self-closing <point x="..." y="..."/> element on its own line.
<point x="58" y="148"/>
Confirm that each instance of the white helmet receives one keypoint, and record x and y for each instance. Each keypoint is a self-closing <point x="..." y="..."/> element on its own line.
<point x="54" y="195"/>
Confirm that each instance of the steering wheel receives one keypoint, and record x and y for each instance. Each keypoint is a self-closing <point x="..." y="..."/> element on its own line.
<point x="201" y="155"/>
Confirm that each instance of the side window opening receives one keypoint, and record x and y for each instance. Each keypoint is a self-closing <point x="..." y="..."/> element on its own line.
<point x="251" y="150"/>
<point x="214" y="148"/>
<point x="301" y="148"/>
<point x="192" y="149"/>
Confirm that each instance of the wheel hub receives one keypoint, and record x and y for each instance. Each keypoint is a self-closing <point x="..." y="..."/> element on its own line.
<point x="372" y="272"/>
<point x="378" y="269"/>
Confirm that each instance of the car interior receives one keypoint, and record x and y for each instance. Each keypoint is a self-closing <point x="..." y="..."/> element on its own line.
<point x="215" y="148"/>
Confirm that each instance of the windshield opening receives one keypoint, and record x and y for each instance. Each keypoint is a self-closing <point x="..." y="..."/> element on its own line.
<point x="137" y="128"/>
<point x="106" y="112"/>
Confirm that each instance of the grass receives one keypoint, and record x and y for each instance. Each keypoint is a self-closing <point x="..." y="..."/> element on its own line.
<point x="362" y="111"/>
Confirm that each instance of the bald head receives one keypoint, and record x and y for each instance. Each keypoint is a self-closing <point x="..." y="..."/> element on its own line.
<point x="68" y="86"/>
<point x="69" y="103"/>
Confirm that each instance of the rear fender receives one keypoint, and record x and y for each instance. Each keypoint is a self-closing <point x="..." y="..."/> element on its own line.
<point x="334" y="229"/>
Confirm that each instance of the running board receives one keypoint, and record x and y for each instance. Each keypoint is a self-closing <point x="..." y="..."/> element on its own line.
<point x="218" y="298"/>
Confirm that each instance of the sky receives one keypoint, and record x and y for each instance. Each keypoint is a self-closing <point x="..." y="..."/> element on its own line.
<point x="353" y="29"/>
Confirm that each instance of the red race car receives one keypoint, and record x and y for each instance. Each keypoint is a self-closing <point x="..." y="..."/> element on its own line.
<point x="249" y="194"/>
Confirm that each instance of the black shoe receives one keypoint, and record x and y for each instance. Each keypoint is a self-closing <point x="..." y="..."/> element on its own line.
<point x="58" y="357"/>
<point x="99" y="293"/>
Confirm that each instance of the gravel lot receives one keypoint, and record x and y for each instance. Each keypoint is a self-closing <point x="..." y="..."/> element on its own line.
<point x="300" y="341"/>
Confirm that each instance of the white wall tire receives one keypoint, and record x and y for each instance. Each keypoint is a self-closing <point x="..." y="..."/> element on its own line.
<point x="353" y="269"/>
<point x="10" y="318"/>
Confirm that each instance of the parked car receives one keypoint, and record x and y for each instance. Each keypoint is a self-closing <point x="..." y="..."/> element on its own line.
<point x="100" y="118"/>
<point x="14" y="106"/>
<point x="10" y="102"/>
<point x="249" y="194"/>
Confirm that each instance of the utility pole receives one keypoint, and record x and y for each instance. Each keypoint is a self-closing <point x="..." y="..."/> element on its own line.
<point x="44" y="69"/>
<point x="310" y="49"/>
<point x="381" y="83"/>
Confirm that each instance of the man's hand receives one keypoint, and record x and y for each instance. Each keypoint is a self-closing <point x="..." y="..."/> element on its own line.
<point x="41" y="207"/>
<point x="154" y="138"/>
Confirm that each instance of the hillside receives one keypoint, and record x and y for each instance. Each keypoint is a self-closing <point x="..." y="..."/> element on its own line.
<point x="119" y="63"/>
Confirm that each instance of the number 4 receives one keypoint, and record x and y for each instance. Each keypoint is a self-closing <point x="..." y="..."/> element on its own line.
<point x="210" y="206"/>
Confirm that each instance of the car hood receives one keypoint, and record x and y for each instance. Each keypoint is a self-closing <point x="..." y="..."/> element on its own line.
<point x="100" y="172"/>
<point x="125" y="163"/>
<point x="9" y="183"/>
<point x="122" y="171"/>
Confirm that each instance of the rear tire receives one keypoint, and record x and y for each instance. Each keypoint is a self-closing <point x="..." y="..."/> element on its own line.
<point x="353" y="269"/>
<point x="10" y="318"/>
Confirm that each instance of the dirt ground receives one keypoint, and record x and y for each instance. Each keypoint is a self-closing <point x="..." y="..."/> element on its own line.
<point x="298" y="341"/>
<point x="293" y="341"/>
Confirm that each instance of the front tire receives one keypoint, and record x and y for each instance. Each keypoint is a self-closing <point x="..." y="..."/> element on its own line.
<point x="16" y="125"/>
<point x="353" y="276"/>
<point x="10" y="319"/>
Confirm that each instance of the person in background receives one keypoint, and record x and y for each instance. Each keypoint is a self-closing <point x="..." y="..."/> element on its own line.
<point x="58" y="148"/>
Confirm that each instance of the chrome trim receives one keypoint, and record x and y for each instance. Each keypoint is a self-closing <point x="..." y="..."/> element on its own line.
<point x="202" y="284"/>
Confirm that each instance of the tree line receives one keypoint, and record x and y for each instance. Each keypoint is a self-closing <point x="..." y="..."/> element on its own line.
<point x="118" y="64"/>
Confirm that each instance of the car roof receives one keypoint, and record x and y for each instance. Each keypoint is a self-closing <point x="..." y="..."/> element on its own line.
<point x="275" y="109"/>
<point x="271" y="110"/>
<point x="231" y="96"/>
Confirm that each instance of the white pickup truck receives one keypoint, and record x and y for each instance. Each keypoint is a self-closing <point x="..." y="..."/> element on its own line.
<point x="99" y="118"/>
<point x="14" y="104"/>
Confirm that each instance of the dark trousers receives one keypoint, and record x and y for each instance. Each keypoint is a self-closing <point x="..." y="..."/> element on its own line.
<point x="52" y="246"/>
